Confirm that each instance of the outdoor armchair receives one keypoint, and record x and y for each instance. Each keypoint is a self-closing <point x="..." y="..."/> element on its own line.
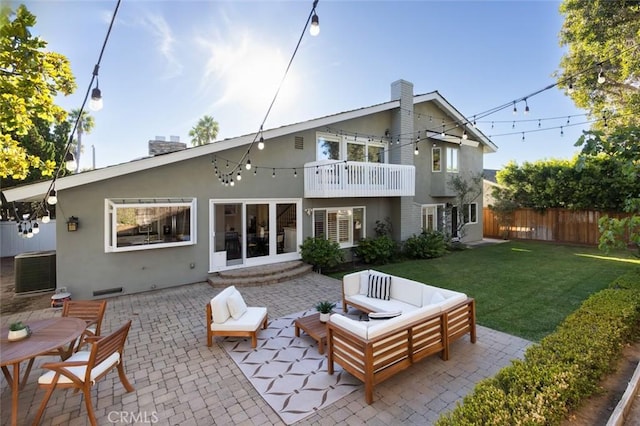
<point x="84" y="368"/>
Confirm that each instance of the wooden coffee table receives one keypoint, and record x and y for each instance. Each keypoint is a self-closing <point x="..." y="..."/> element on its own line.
<point x="313" y="327"/>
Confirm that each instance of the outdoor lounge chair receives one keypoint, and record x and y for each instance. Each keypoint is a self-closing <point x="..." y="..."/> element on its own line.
<point x="84" y="368"/>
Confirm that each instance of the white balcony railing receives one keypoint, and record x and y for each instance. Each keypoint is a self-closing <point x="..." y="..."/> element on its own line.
<point x="334" y="179"/>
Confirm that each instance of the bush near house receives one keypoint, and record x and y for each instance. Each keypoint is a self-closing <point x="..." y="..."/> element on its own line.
<point x="561" y="371"/>
<point x="427" y="245"/>
<point x="377" y="251"/>
<point x="321" y="253"/>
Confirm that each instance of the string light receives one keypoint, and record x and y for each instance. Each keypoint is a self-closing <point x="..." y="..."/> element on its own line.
<point x="415" y="151"/>
<point x="295" y="173"/>
<point x="238" y="176"/>
<point x="570" y="89"/>
<point x="248" y="165"/>
<point x="464" y="135"/>
<point x="273" y="175"/>
<point x="314" y="29"/>
<point x="561" y="131"/>
<point x="515" y="110"/>
<point x="52" y="199"/>
<point x="522" y="136"/>
<point x="601" y="78"/>
<point x="526" y="106"/>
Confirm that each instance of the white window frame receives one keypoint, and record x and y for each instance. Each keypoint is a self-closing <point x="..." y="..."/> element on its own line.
<point x="453" y="159"/>
<point x="440" y="227"/>
<point x="433" y="164"/>
<point x="344" y="140"/>
<point x="110" y="222"/>
<point x="467" y="213"/>
<point x="341" y="211"/>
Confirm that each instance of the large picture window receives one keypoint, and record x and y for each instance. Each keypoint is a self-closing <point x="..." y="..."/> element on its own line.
<point x="343" y="225"/>
<point x="141" y="224"/>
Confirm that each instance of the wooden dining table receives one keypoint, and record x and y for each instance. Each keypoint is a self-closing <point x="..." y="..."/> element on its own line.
<point x="47" y="335"/>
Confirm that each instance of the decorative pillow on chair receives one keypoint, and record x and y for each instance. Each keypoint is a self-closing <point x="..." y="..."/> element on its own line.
<point x="384" y="315"/>
<point x="379" y="286"/>
<point x="364" y="282"/>
<point x="236" y="304"/>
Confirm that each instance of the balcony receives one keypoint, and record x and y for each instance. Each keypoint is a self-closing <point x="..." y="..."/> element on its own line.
<point x="338" y="179"/>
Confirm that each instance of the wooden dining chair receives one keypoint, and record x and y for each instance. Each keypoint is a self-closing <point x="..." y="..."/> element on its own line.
<point x="91" y="311"/>
<point x="84" y="368"/>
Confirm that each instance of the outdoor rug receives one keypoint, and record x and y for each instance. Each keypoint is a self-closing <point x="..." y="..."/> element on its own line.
<point x="288" y="372"/>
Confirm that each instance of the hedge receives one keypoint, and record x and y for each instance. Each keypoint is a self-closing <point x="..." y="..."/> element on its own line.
<point x="561" y="371"/>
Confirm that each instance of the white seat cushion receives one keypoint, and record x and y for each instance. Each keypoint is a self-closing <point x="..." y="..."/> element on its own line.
<point x="250" y="321"/>
<point x="80" y="371"/>
<point x="379" y="305"/>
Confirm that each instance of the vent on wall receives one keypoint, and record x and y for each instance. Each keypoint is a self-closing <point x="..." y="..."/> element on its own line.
<point x="298" y="142"/>
<point x="35" y="271"/>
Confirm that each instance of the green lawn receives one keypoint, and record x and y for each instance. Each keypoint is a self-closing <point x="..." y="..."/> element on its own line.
<point x="521" y="288"/>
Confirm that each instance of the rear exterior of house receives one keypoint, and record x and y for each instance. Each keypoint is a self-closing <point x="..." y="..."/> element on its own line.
<point x="171" y="219"/>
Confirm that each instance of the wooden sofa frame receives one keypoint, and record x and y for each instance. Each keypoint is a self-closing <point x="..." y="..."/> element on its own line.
<point x="374" y="360"/>
<point x="233" y="333"/>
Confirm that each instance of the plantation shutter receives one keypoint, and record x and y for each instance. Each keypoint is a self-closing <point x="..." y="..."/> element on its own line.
<point x="332" y="226"/>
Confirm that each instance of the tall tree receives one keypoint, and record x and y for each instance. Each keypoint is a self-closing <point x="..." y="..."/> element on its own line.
<point x="602" y="38"/>
<point x="30" y="78"/>
<point x="206" y="131"/>
<point x="467" y="189"/>
<point x="85" y="125"/>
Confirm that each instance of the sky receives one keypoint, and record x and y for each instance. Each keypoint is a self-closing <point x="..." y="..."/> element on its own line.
<point x="167" y="63"/>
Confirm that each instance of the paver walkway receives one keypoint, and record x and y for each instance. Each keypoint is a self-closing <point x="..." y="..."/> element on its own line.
<point x="178" y="380"/>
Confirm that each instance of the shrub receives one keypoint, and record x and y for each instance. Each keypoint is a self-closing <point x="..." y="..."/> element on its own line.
<point x="427" y="245"/>
<point x="561" y="371"/>
<point x="321" y="253"/>
<point x="379" y="250"/>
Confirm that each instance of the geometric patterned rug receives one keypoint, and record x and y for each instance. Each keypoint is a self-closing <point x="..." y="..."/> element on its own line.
<point x="288" y="372"/>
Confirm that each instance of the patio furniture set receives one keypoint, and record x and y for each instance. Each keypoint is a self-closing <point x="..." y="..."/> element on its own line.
<point x="408" y="321"/>
<point x="66" y="336"/>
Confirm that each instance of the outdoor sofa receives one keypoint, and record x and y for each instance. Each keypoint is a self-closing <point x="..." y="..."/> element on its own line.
<point x="422" y="320"/>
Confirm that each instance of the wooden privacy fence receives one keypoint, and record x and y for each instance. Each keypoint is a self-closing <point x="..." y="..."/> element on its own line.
<point x="560" y="225"/>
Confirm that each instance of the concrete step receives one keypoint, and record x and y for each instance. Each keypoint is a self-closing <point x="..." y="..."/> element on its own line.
<point x="259" y="275"/>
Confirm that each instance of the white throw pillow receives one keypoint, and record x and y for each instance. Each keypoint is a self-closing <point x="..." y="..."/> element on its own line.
<point x="384" y="315"/>
<point x="437" y="298"/>
<point x="236" y="304"/>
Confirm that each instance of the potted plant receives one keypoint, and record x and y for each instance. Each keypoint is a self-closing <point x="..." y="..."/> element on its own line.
<point x="325" y="308"/>
<point x="18" y="331"/>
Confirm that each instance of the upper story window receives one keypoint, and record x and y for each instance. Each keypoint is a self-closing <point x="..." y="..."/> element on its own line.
<point x="349" y="148"/>
<point x="141" y="224"/>
<point x="452" y="159"/>
<point x="436" y="163"/>
<point x="343" y="225"/>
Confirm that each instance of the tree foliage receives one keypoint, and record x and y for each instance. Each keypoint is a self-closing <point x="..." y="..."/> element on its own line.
<point x="467" y="190"/>
<point x="597" y="182"/>
<point x="602" y="35"/>
<point x="205" y="131"/>
<point x="85" y="125"/>
<point x="30" y="78"/>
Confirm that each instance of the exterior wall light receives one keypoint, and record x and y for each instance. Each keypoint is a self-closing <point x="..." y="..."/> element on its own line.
<point x="72" y="224"/>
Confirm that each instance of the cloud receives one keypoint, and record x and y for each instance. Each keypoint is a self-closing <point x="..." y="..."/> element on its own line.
<point x="246" y="71"/>
<point x="160" y="30"/>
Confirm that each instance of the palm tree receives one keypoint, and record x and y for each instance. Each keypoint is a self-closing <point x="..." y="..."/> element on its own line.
<point x="206" y="131"/>
<point x="85" y="125"/>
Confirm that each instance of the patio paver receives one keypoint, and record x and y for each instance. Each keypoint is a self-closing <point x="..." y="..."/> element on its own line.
<point x="179" y="380"/>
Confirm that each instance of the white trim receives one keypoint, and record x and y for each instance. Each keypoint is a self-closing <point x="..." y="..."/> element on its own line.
<point x="111" y="228"/>
<point x="33" y="192"/>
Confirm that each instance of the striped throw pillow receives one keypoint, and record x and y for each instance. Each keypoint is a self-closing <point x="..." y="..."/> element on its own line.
<point x="379" y="286"/>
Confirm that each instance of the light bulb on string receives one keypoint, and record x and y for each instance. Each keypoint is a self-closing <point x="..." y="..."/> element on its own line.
<point x="36" y="228"/>
<point x="515" y="109"/>
<point x="52" y="198"/>
<point x="474" y="121"/>
<point x="464" y="135"/>
<point x="261" y="143"/>
<point x="522" y="136"/>
<point x="248" y="165"/>
<point x="415" y="151"/>
<point x="568" y="119"/>
<point x="526" y="106"/>
<point x="295" y="173"/>
<point x="273" y="175"/>
<point x="46" y="218"/>
<point x="238" y="176"/>
<point x="561" y="131"/>
<point x="232" y="183"/>
<point x="314" y="29"/>
<point x="539" y="123"/>
<point x="513" y="126"/>
<point x="601" y="78"/>
<point x="570" y="88"/>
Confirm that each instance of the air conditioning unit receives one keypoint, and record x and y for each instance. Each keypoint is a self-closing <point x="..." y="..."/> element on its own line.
<point x="35" y="271"/>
